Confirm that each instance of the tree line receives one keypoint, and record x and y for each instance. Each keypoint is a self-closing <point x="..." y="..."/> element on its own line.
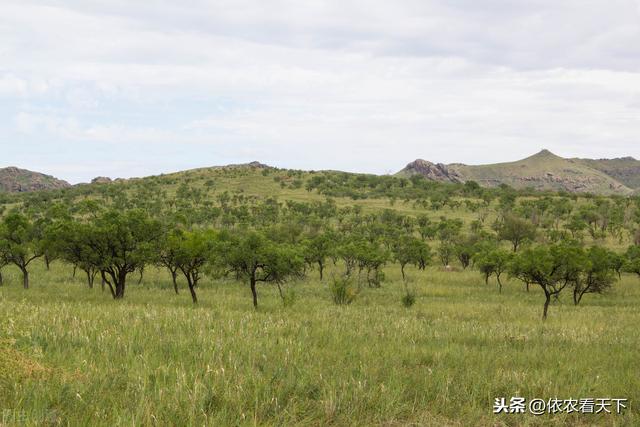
<point x="266" y="241"/>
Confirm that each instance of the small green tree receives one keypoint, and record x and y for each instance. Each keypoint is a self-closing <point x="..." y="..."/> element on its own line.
<point x="597" y="276"/>
<point x="256" y="258"/>
<point x="193" y="250"/>
<point x="553" y="268"/>
<point x="446" y="251"/>
<point x="411" y="250"/>
<point x="122" y="242"/>
<point x="464" y="248"/>
<point x="516" y="230"/>
<point x="633" y="260"/>
<point x="20" y="243"/>
<point x="318" y="248"/>
<point x="167" y="253"/>
<point x="494" y="262"/>
<point x="69" y="240"/>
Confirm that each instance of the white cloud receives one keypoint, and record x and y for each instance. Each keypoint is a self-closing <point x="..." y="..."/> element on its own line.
<point x="293" y="83"/>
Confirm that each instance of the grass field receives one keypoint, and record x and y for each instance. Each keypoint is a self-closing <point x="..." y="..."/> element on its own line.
<point x="71" y="355"/>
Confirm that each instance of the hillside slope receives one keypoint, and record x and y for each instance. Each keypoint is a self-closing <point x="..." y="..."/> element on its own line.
<point x="14" y="180"/>
<point x="542" y="171"/>
<point x="626" y="169"/>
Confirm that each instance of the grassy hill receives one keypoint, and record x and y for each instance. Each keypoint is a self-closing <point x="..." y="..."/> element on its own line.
<point x="542" y="171"/>
<point x="626" y="169"/>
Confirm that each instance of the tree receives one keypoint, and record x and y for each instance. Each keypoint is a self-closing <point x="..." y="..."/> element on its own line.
<point x="70" y="241"/>
<point x="464" y="247"/>
<point x="318" y="248"/>
<point x="122" y="242"/>
<point x="445" y="252"/>
<point x="493" y="262"/>
<point x="597" y="276"/>
<point x="552" y="268"/>
<point x="20" y="243"/>
<point x="193" y="251"/>
<point x="410" y="250"/>
<point x="617" y="262"/>
<point x="516" y="230"/>
<point x="167" y="255"/>
<point x="633" y="260"/>
<point x="371" y="256"/>
<point x="256" y="258"/>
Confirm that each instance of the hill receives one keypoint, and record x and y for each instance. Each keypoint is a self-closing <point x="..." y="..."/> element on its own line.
<point x="542" y="171"/>
<point x="14" y="180"/>
<point x="626" y="169"/>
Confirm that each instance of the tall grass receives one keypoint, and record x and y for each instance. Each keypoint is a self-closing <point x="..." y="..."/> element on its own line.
<point x="71" y="355"/>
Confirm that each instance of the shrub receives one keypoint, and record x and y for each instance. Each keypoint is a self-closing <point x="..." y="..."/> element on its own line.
<point x="408" y="299"/>
<point x="342" y="291"/>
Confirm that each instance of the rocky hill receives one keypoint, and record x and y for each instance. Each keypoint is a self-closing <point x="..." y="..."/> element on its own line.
<point x="542" y="171"/>
<point x="625" y="169"/>
<point x="16" y="180"/>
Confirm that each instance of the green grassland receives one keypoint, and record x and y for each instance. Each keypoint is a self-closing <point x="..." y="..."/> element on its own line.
<point x="75" y="356"/>
<point x="70" y="355"/>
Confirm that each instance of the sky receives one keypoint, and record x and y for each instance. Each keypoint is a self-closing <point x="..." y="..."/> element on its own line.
<point x="120" y="88"/>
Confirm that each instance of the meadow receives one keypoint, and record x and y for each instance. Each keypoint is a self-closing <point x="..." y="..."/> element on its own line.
<point x="70" y="355"/>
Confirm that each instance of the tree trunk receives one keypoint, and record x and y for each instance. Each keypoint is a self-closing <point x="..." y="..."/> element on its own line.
<point x="25" y="277"/>
<point x="1" y="279"/>
<point x="102" y="282"/>
<point x="174" y="278"/>
<point x="192" y="286"/>
<point x="89" y="278"/>
<point x="321" y="268"/>
<point x="402" y="270"/>
<point x="120" y="284"/>
<point x="141" y="274"/>
<point x="499" y="283"/>
<point x="254" y="293"/>
<point x="546" y="304"/>
<point x="74" y="271"/>
<point x="46" y="261"/>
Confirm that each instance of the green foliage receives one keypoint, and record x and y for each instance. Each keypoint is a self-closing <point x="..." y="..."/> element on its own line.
<point x="550" y="267"/>
<point x="633" y="260"/>
<point x="257" y="258"/>
<point x="493" y="262"/>
<point x="20" y="242"/>
<point x="121" y="243"/>
<point x="597" y="273"/>
<point x="516" y="230"/>
<point x="411" y="250"/>
<point x="408" y="299"/>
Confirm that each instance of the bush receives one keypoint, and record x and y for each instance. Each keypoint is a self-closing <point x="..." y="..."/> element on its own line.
<point x="342" y="291"/>
<point x="408" y="299"/>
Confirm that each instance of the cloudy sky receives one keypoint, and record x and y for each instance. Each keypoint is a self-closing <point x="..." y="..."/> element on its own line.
<point x="122" y="88"/>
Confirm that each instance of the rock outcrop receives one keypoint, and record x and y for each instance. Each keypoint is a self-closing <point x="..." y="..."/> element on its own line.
<point x="15" y="180"/>
<point x="433" y="171"/>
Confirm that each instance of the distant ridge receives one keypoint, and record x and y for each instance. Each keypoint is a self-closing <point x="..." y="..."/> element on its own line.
<point x="541" y="171"/>
<point x="15" y="180"/>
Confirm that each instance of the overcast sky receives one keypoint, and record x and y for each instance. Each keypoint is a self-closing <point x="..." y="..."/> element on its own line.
<point x="123" y="88"/>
